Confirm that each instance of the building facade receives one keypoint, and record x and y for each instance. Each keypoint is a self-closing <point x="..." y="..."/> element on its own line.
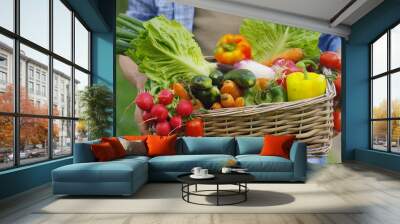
<point x="34" y="80"/>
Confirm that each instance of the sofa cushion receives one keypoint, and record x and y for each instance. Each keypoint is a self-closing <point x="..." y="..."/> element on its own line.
<point x="185" y="163"/>
<point x="112" y="171"/>
<point x="134" y="147"/>
<point x="161" y="145"/>
<point x="249" y="145"/>
<point x="277" y="145"/>
<point x="116" y="145"/>
<point x="208" y="145"/>
<point x="257" y="163"/>
<point x="103" y="152"/>
<point x="83" y="152"/>
<point x="133" y="158"/>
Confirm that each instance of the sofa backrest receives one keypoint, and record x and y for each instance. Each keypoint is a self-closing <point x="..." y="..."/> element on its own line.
<point x="249" y="145"/>
<point x="83" y="152"/>
<point x="190" y="146"/>
<point x="206" y="145"/>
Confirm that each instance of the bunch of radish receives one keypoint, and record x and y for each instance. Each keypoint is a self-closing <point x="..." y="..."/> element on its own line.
<point x="164" y="121"/>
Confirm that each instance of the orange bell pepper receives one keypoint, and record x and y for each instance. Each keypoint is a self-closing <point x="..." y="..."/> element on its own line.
<point x="232" y="48"/>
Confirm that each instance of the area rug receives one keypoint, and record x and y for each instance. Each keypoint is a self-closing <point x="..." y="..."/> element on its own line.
<point x="166" y="198"/>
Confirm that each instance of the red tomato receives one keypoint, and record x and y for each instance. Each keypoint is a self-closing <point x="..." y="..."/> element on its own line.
<point x="194" y="128"/>
<point x="337" y="120"/>
<point x="331" y="60"/>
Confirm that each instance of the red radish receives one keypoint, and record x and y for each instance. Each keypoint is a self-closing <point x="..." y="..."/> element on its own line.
<point x="160" y="112"/>
<point x="176" y="122"/>
<point x="163" y="128"/>
<point x="184" y="108"/>
<point x="147" y="117"/>
<point x="144" y="101"/>
<point x="165" y="97"/>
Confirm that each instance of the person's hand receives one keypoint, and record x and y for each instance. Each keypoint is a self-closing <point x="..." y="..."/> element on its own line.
<point x="131" y="73"/>
<point x="137" y="79"/>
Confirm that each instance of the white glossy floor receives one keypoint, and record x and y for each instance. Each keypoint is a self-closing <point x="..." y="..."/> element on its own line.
<point x="379" y="189"/>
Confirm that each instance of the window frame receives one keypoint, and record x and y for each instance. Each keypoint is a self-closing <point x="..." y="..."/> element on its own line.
<point x="388" y="74"/>
<point x="16" y="114"/>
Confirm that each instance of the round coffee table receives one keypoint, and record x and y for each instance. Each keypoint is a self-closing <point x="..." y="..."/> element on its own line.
<point x="238" y="179"/>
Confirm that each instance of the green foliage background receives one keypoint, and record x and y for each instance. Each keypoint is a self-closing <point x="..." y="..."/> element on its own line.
<point x="126" y="92"/>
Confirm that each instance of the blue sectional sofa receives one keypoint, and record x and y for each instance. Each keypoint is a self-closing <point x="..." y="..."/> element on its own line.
<point x="125" y="176"/>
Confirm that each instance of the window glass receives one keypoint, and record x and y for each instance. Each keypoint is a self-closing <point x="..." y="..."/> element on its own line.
<point x="379" y="135"/>
<point x="6" y="74"/>
<point x="62" y="137"/>
<point x="81" y="131"/>
<point x="62" y="29"/>
<point x="33" y="139"/>
<point x="62" y="89"/>
<point x="81" y="82"/>
<point x="30" y="58"/>
<point x="395" y="95"/>
<point x="6" y="142"/>
<point x="379" y="97"/>
<point x="379" y="56"/>
<point x="34" y="21"/>
<point x="81" y="45"/>
<point x="7" y="14"/>
<point x="34" y="81"/>
<point x="395" y="47"/>
<point x="395" y="135"/>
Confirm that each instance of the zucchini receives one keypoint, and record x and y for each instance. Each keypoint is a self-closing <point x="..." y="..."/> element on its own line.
<point x="243" y="77"/>
<point x="217" y="77"/>
<point x="201" y="82"/>
<point x="207" y="96"/>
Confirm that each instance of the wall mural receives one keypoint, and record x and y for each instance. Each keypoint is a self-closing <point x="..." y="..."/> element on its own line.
<point x="194" y="72"/>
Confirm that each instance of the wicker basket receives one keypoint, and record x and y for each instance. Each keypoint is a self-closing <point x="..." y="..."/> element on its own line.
<point x="310" y="120"/>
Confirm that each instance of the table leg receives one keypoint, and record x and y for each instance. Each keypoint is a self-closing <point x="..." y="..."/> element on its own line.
<point x="217" y="194"/>
<point x="245" y="193"/>
<point x="188" y="189"/>
<point x="195" y="188"/>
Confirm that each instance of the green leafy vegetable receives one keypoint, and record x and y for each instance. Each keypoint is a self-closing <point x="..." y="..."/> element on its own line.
<point x="163" y="49"/>
<point x="269" y="39"/>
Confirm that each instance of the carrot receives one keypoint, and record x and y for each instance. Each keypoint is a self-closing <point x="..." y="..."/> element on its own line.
<point x="180" y="91"/>
<point x="293" y="54"/>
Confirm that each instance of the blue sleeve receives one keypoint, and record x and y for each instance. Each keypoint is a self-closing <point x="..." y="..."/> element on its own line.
<point x="328" y="42"/>
<point x="142" y="9"/>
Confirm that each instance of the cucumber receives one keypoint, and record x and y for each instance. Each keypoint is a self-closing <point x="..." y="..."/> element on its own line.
<point x="243" y="77"/>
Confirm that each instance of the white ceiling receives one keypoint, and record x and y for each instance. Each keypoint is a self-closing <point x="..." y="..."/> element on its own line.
<point x="324" y="16"/>
<point x="321" y="9"/>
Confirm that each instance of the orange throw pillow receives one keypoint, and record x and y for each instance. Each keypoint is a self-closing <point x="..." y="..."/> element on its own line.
<point x="116" y="145"/>
<point x="103" y="152"/>
<point x="277" y="145"/>
<point x="135" y="137"/>
<point x="161" y="145"/>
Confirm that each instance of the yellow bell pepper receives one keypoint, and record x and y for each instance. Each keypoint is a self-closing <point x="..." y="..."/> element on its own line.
<point x="304" y="85"/>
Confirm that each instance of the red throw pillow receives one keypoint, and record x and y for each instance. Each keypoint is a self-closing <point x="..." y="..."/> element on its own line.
<point x="161" y="145"/>
<point x="103" y="152"/>
<point x="277" y="145"/>
<point x="135" y="137"/>
<point x="116" y="145"/>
